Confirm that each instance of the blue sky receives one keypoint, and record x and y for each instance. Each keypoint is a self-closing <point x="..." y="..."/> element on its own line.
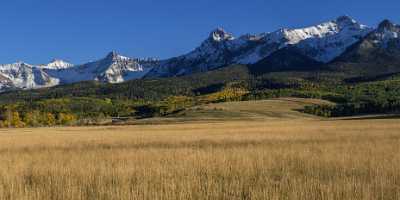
<point x="36" y="31"/>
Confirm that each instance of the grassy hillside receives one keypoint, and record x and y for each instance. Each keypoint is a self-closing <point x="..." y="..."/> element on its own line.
<point x="273" y="109"/>
<point x="278" y="109"/>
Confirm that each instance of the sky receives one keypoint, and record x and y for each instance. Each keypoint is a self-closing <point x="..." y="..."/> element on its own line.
<point x="37" y="31"/>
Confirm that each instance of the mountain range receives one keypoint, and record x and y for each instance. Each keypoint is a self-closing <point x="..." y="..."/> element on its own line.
<point x="342" y="44"/>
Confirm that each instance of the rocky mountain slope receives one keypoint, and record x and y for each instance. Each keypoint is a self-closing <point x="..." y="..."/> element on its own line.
<point x="377" y="53"/>
<point x="25" y="76"/>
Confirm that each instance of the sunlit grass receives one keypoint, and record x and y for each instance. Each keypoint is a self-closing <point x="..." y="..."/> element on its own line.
<point x="293" y="159"/>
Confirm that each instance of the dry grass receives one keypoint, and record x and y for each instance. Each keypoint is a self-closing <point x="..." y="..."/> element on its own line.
<point x="285" y="159"/>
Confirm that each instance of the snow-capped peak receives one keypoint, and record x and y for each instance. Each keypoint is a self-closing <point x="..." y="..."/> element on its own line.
<point x="345" y="20"/>
<point x="220" y="34"/>
<point x="23" y="75"/>
<point x="325" y="41"/>
<point x="57" y="64"/>
<point x="113" y="68"/>
<point x="387" y="25"/>
<point x="386" y="32"/>
<point x="343" y="23"/>
<point x="21" y="63"/>
<point x="115" y="56"/>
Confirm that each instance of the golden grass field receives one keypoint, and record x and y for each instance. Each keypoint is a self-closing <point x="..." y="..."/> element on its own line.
<point x="293" y="156"/>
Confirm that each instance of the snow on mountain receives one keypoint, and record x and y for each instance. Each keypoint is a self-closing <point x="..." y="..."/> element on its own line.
<point x="386" y="33"/>
<point x="5" y="83"/>
<point x="220" y="34"/>
<point x="322" y="42"/>
<point x="382" y="45"/>
<point x="114" y="68"/>
<point x="25" y="76"/>
<point x="213" y="49"/>
<point x="214" y="52"/>
<point x="57" y="64"/>
<point x="327" y="41"/>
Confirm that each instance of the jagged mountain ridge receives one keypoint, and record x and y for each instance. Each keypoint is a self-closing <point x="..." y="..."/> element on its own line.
<point x="377" y="53"/>
<point x="114" y="68"/>
<point x="320" y="44"/>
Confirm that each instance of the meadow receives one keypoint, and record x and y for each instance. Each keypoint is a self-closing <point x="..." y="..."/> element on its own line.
<point x="292" y="156"/>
